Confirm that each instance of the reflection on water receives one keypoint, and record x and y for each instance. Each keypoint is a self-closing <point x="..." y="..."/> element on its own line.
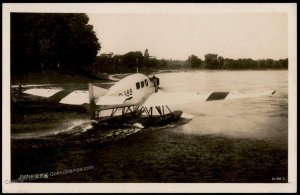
<point x="226" y="141"/>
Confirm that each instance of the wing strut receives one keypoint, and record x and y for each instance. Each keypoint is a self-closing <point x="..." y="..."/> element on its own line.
<point x="114" y="110"/>
<point x="170" y="110"/>
<point x="136" y="111"/>
<point x="160" y="110"/>
<point x="125" y="110"/>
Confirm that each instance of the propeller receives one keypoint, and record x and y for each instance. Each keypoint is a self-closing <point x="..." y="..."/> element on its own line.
<point x="155" y="81"/>
<point x="161" y="88"/>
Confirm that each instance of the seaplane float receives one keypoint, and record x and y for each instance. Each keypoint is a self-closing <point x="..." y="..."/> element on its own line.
<point x="136" y="97"/>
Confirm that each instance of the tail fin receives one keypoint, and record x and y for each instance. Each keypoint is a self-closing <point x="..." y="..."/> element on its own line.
<point x="94" y="93"/>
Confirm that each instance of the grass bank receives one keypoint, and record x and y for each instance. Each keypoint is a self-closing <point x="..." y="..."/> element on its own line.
<point x="53" y="77"/>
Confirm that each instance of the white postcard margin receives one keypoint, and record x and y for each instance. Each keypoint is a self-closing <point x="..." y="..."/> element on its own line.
<point x="142" y="8"/>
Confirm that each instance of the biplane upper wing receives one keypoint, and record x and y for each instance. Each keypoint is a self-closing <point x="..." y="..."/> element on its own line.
<point x="164" y="98"/>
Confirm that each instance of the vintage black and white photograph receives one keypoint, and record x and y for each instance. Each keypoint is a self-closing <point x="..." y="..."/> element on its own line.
<point x="149" y="94"/>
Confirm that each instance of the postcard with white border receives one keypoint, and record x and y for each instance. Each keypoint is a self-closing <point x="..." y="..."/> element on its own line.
<point x="147" y="97"/>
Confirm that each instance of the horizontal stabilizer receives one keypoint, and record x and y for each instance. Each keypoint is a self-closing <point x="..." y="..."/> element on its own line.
<point x="77" y="97"/>
<point x="42" y="92"/>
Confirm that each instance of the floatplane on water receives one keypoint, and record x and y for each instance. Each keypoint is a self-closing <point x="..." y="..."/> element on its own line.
<point x="137" y="96"/>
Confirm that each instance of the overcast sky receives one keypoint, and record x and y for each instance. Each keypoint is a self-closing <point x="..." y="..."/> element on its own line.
<point x="177" y="36"/>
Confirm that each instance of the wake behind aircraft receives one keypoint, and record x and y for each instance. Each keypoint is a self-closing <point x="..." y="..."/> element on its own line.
<point x="135" y="95"/>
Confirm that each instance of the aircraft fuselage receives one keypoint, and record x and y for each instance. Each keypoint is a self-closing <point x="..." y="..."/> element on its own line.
<point x="136" y="87"/>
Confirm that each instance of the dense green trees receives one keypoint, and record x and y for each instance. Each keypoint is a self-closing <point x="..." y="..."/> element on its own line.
<point x="39" y="41"/>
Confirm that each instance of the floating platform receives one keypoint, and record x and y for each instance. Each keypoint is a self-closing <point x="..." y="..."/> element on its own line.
<point x="130" y="119"/>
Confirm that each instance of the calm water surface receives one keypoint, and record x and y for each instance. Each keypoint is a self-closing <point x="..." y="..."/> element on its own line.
<point x="226" y="141"/>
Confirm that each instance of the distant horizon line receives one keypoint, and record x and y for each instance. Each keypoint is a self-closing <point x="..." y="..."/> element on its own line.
<point x="195" y="55"/>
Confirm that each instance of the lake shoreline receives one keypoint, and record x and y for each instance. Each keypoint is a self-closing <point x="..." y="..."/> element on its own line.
<point x="52" y="77"/>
